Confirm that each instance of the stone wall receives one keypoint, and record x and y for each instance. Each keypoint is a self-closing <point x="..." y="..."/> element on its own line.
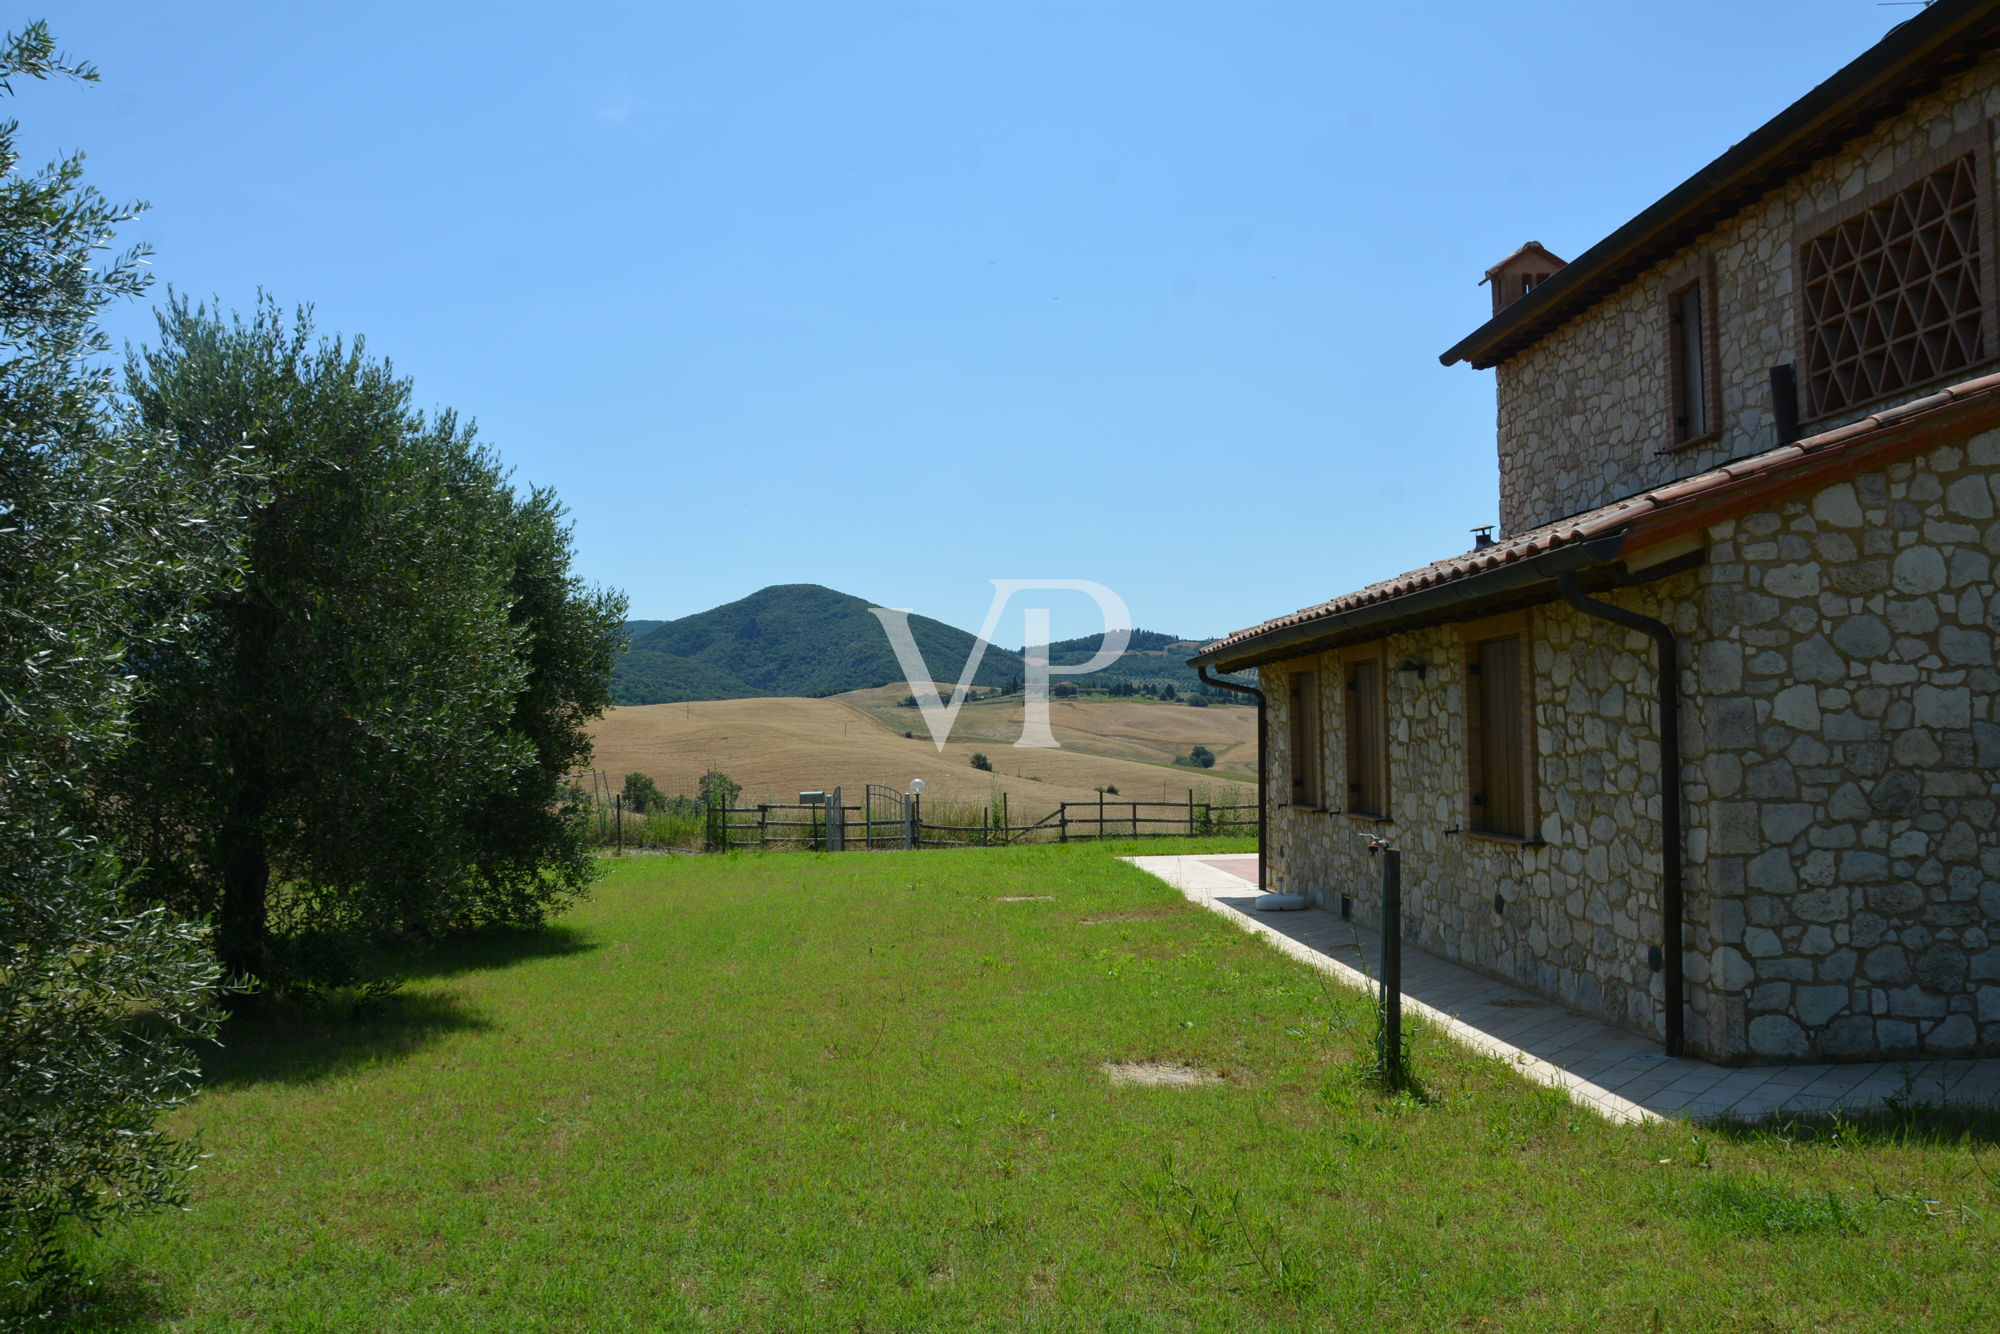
<point x="1583" y="413"/>
<point x="1841" y="744"/>
<point x="1578" y="913"/>
<point x="1851" y="758"/>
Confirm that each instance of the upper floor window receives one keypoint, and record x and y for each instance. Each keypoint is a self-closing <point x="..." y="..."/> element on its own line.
<point x="1694" y="403"/>
<point x="1305" y="739"/>
<point x="1897" y="293"/>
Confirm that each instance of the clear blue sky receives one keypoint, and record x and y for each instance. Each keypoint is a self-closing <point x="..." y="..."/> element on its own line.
<point x="900" y="298"/>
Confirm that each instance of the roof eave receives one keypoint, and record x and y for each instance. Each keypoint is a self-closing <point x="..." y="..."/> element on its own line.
<point x="1439" y="602"/>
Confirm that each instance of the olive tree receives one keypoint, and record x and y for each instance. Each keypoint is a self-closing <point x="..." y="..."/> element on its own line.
<point x="366" y="741"/>
<point x="106" y="552"/>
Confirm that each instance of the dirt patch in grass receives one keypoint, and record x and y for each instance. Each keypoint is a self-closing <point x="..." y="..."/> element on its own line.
<point x="1157" y="1074"/>
<point x="1131" y="915"/>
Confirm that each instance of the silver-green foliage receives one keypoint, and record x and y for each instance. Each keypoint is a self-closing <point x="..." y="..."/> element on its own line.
<point x="366" y="740"/>
<point x="104" y="553"/>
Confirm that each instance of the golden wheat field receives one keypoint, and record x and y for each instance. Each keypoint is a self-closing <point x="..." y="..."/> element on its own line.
<point x="1124" y="729"/>
<point x="778" y="747"/>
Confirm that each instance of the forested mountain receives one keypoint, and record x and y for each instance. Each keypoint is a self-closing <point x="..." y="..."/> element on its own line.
<point x="789" y="639"/>
<point x="802" y="639"/>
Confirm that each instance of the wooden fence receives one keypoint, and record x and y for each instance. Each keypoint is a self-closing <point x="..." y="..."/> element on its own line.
<point x="798" y="827"/>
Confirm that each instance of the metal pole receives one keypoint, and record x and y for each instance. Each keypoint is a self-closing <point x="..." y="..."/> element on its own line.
<point x="1390" y="1049"/>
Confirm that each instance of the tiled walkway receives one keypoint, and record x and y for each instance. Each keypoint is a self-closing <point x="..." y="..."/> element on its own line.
<point x="1619" y="1074"/>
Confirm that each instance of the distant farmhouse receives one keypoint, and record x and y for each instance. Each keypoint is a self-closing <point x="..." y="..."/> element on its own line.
<point x="1754" y="435"/>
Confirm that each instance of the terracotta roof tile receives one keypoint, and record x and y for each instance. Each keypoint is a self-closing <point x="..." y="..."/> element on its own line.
<point x="1653" y="508"/>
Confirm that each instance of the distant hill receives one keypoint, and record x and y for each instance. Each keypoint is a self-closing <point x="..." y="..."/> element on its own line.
<point x="789" y="639"/>
<point x="805" y="640"/>
<point x="1151" y="658"/>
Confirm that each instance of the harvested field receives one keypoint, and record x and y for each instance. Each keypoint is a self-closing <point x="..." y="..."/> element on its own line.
<point x="1148" y="731"/>
<point x="778" y="747"/>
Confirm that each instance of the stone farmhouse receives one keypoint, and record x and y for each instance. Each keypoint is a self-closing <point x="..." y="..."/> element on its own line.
<point x="1705" y="742"/>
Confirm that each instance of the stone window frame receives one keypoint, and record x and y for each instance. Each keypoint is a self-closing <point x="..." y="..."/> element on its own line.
<point x="1700" y="273"/>
<point x="1976" y="143"/>
<point x="1357" y="744"/>
<point x="1518" y="626"/>
<point x="1306" y="726"/>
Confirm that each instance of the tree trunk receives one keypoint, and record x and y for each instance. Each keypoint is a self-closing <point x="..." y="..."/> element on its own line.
<point x="241" y="926"/>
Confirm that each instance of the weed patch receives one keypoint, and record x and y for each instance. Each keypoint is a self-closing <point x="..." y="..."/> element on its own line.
<point x="1758" y="1207"/>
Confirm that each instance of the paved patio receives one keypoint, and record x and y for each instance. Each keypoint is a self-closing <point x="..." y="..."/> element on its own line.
<point x="1619" y="1074"/>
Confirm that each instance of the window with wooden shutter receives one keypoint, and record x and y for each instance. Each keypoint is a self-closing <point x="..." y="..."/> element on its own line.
<point x="1367" y="738"/>
<point x="1499" y="736"/>
<point x="1304" y="700"/>
<point x="1694" y="400"/>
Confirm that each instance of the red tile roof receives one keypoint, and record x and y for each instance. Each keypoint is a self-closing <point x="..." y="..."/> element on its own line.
<point x="1682" y="506"/>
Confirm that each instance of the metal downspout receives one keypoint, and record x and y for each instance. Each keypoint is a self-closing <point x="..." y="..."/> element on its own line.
<point x="1263" y="844"/>
<point x="1672" y="905"/>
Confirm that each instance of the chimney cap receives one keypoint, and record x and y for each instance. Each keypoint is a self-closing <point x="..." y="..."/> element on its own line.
<point x="1528" y="250"/>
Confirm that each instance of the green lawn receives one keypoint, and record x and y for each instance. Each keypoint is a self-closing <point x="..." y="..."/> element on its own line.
<point x="861" y="1092"/>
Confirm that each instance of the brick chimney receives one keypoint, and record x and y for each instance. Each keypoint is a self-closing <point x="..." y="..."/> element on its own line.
<point x="1521" y="273"/>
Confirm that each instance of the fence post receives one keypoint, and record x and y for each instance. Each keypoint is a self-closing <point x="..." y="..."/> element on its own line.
<point x="1389" y="1046"/>
<point x="1062" y="828"/>
<point x="1100" y="813"/>
<point x="1190" y="812"/>
<point x="1005" y="824"/>
<point x="763" y="815"/>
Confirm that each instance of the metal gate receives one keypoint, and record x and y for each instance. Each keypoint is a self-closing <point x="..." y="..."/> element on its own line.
<point x="885" y="818"/>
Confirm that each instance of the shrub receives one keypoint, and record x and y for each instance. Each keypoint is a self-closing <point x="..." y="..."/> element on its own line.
<point x="642" y="794"/>
<point x="980" y="762"/>
<point x="719" y="789"/>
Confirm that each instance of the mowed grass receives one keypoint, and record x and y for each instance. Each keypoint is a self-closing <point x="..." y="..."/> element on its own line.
<point x="863" y="1091"/>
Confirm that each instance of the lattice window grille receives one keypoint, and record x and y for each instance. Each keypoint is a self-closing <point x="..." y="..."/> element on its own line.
<point x="1895" y="296"/>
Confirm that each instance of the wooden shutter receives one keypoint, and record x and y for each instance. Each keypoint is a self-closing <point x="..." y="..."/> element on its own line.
<point x="1305" y="738"/>
<point x="1367" y="786"/>
<point x="1500" y="804"/>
